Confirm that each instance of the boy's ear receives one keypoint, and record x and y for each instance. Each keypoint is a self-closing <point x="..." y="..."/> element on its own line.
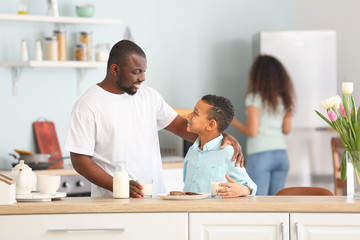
<point x="212" y="125"/>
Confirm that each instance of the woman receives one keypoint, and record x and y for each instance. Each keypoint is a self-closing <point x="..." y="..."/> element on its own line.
<point x="269" y="102"/>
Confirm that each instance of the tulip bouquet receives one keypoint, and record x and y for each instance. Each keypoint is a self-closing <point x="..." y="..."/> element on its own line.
<point x="345" y="119"/>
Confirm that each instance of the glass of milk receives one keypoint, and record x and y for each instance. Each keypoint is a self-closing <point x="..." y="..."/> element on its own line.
<point x="147" y="184"/>
<point x="121" y="185"/>
<point x="215" y="185"/>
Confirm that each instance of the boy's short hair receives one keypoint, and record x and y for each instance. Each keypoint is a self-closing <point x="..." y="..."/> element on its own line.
<point x="222" y="110"/>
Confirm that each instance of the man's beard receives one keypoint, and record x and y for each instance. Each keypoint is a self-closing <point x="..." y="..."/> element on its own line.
<point x="128" y="90"/>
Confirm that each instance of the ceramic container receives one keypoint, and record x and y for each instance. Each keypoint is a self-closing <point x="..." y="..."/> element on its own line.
<point x="48" y="184"/>
<point x="25" y="178"/>
<point x="85" y="10"/>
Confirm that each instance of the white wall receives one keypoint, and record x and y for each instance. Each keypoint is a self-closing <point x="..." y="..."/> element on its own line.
<point x="343" y="17"/>
<point x="193" y="48"/>
<point x="309" y="150"/>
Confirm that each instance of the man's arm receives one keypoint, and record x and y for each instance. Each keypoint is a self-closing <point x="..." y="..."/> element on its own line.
<point x="238" y="157"/>
<point x="86" y="167"/>
<point x="178" y="127"/>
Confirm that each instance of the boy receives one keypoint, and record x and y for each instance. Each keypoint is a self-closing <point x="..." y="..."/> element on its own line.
<point x="205" y="160"/>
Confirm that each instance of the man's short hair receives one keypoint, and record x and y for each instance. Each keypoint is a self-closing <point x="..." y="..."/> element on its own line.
<point x="222" y="110"/>
<point x="121" y="51"/>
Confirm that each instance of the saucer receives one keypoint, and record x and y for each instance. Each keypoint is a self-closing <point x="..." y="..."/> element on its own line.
<point x="39" y="197"/>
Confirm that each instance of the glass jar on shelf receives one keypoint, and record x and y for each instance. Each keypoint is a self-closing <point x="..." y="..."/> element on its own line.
<point x="102" y="52"/>
<point x="81" y="52"/>
<point x="61" y="39"/>
<point x="50" y="49"/>
<point x="23" y="7"/>
<point x="86" y="38"/>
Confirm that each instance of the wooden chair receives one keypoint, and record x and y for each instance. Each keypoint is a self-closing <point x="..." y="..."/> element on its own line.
<point x="337" y="144"/>
<point x="304" y="191"/>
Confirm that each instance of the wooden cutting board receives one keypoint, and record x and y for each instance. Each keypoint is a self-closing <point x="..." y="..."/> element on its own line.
<point x="47" y="141"/>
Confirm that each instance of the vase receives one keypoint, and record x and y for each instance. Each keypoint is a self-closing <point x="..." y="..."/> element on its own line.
<point x="353" y="174"/>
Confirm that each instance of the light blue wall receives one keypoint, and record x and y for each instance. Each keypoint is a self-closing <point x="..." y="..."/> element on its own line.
<point x="193" y="48"/>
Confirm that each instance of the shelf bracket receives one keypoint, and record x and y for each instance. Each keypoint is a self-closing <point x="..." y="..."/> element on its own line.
<point x="16" y="73"/>
<point x="81" y="72"/>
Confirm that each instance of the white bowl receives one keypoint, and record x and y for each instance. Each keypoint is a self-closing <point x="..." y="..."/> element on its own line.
<point x="48" y="184"/>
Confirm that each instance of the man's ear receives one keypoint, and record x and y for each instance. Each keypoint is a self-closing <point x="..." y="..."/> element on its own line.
<point x="114" y="69"/>
<point x="212" y="125"/>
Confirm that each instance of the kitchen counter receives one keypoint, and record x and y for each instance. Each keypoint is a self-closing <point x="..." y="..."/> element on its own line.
<point x="335" y="204"/>
<point x="71" y="171"/>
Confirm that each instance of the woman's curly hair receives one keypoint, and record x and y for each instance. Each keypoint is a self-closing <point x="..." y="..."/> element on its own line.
<point x="269" y="79"/>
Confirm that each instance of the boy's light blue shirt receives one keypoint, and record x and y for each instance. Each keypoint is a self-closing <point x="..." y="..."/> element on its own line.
<point x="202" y="165"/>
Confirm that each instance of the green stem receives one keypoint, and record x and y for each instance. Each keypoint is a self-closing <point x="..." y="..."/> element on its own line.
<point x="352" y="129"/>
<point x="355" y="162"/>
<point x="357" y="173"/>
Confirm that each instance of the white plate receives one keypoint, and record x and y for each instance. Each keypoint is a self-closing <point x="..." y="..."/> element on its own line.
<point x="36" y="197"/>
<point x="184" y="197"/>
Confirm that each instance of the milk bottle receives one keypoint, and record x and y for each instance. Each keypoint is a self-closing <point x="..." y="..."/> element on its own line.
<point x="121" y="179"/>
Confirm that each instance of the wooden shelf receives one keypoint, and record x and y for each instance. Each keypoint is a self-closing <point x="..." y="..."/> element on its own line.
<point x="55" y="64"/>
<point x="80" y="66"/>
<point x="59" y="20"/>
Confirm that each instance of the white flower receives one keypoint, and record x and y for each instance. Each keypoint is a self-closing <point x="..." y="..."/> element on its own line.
<point x="327" y="103"/>
<point x="347" y="88"/>
<point x="334" y="101"/>
<point x="337" y="101"/>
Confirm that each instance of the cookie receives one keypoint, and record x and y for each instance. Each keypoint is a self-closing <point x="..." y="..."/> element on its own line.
<point x="177" y="193"/>
<point x="192" y="193"/>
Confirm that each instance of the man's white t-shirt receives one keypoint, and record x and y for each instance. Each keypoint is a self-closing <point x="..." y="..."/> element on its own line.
<point x="113" y="127"/>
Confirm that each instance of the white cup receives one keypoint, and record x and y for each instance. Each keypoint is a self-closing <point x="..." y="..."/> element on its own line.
<point x="147" y="184"/>
<point x="215" y="185"/>
<point x="48" y="184"/>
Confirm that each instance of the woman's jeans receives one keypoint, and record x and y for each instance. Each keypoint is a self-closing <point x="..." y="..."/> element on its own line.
<point x="268" y="170"/>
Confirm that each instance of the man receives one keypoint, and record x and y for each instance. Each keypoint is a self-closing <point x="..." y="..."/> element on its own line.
<point x="119" y="120"/>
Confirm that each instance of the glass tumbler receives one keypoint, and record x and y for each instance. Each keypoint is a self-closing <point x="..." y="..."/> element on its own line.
<point x="215" y="185"/>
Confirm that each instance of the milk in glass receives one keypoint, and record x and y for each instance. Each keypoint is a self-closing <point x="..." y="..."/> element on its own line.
<point x="147" y="189"/>
<point x="215" y="186"/>
<point x="121" y="186"/>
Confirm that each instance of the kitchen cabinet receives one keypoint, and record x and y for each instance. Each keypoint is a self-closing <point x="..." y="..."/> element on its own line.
<point x="183" y="226"/>
<point x="129" y="226"/>
<point x="231" y="226"/>
<point x="259" y="217"/>
<point x="302" y="226"/>
<point x="80" y="66"/>
<point x="325" y="226"/>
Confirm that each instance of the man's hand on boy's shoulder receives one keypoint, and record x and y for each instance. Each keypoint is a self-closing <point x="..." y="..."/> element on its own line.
<point x="238" y="156"/>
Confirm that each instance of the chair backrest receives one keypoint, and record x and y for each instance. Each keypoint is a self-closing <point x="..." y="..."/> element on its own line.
<point x="336" y="145"/>
<point x="304" y="191"/>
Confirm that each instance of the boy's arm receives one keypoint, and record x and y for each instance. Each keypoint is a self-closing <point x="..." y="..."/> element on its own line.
<point x="239" y="180"/>
<point x="233" y="189"/>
